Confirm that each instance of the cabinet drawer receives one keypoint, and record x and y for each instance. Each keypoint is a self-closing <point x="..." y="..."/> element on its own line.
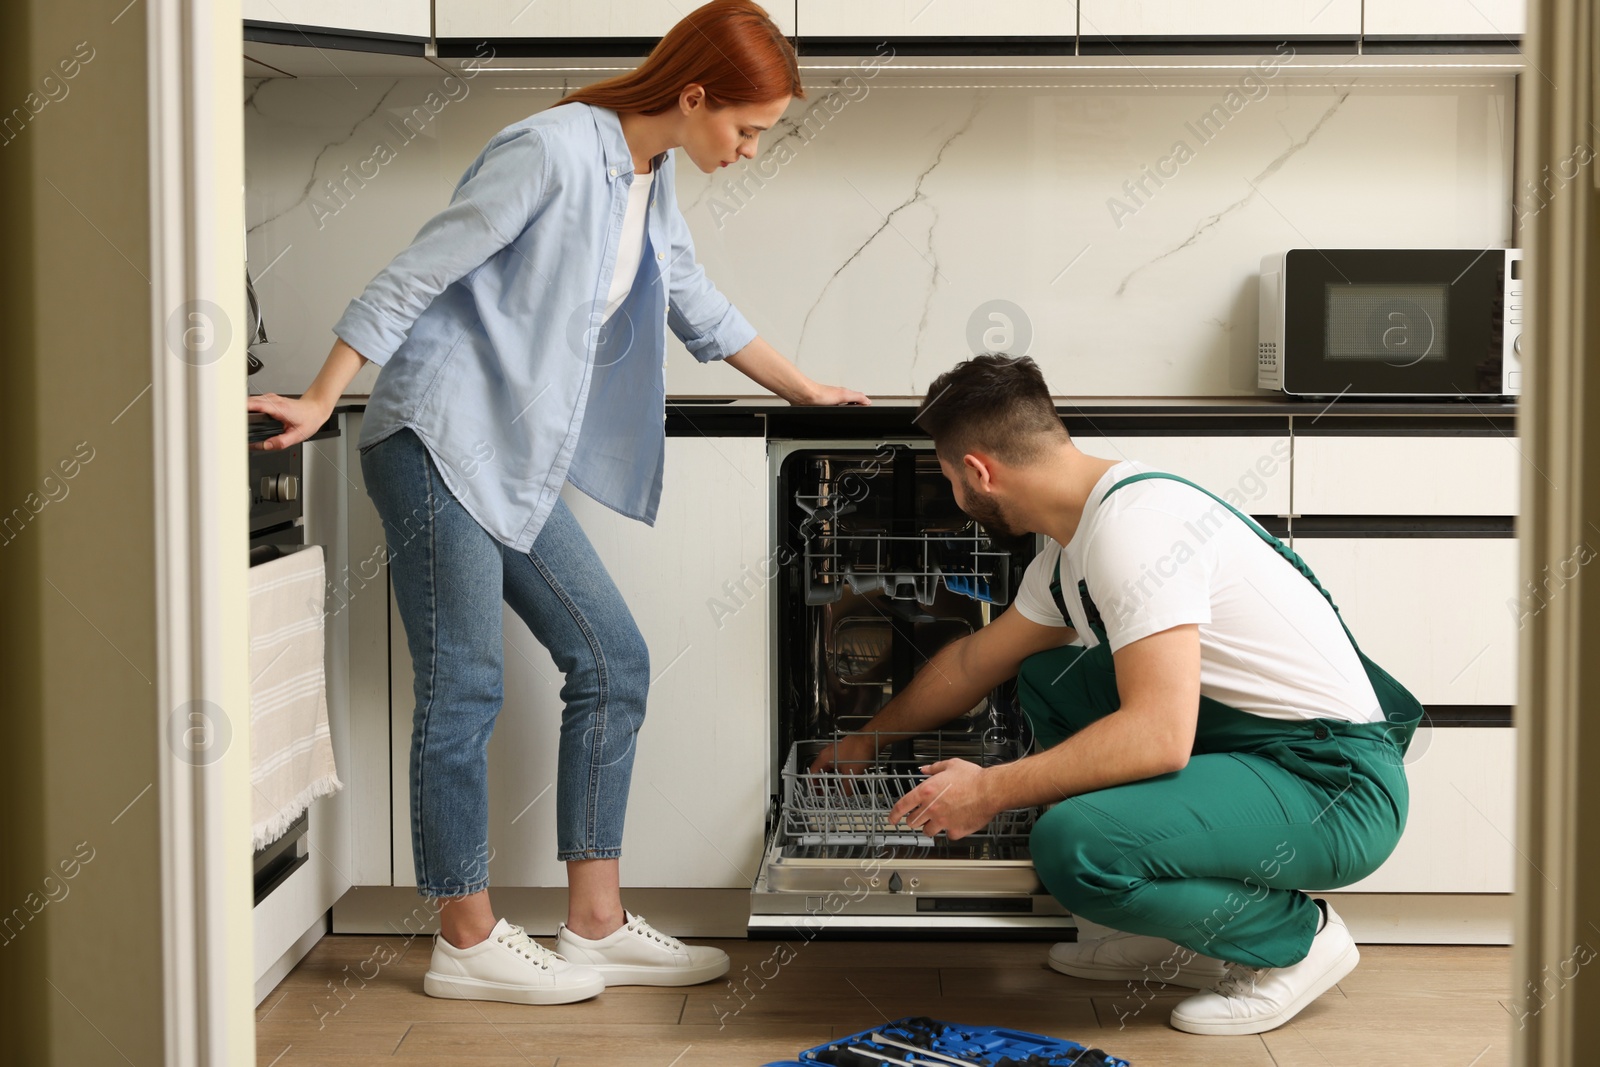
<point x="1236" y="18"/>
<point x="1446" y="18"/>
<point x="591" y="18"/>
<point x="1406" y="475"/>
<point x="920" y="18"/>
<point x="406" y="18"/>
<point x="1439" y="613"/>
<point x="1251" y="473"/>
<point x="1462" y="816"/>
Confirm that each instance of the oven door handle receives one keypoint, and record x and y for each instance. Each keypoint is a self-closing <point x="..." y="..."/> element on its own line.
<point x="260" y="554"/>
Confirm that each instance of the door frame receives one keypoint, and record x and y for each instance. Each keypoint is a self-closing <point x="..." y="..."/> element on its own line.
<point x="196" y="153"/>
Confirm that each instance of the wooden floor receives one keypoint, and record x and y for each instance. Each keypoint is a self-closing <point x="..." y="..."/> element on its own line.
<point x="358" y="1001"/>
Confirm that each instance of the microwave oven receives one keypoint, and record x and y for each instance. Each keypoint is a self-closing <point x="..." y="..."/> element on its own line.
<point x="1391" y="323"/>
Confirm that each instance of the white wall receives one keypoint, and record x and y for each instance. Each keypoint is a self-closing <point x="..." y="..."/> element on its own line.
<point x="881" y="233"/>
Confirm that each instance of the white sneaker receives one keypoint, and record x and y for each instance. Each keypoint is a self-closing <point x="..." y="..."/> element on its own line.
<point x="1123" y="957"/>
<point x="1253" y="1000"/>
<point x="509" y="966"/>
<point x="637" y="954"/>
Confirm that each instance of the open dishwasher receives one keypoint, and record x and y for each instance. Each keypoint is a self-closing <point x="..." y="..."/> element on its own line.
<point x="876" y="569"/>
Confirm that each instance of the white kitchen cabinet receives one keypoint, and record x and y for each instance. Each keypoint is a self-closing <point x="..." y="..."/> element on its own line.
<point x="936" y="18"/>
<point x="1441" y="614"/>
<point x="1446" y="18"/>
<point x="590" y="18"/>
<point x="1234" y="18"/>
<point x="1251" y="473"/>
<point x="358" y="613"/>
<point x="696" y="586"/>
<point x="400" y="18"/>
<point x="1462" y="816"/>
<point x="1406" y="475"/>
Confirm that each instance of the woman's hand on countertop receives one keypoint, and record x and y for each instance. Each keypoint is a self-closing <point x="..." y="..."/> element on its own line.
<point x="834" y="395"/>
<point x="301" y="417"/>
<point x="762" y="364"/>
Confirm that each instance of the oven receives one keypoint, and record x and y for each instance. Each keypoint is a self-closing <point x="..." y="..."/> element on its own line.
<point x="876" y="570"/>
<point x="277" y="527"/>
<point x="277" y="515"/>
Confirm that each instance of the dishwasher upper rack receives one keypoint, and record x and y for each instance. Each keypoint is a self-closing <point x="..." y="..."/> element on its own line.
<point x="835" y="809"/>
<point x="904" y="566"/>
<point x="889" y="524"/>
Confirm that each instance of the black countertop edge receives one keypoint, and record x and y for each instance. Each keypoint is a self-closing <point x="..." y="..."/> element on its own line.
<point x="1197" y="405"/>
<point x="1186" y="407"/>
<point x="1095" y="420"/>
<point x="1204" y="416"/>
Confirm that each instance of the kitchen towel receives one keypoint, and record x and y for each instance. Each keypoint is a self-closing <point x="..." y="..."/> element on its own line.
<point x="291" y="753"/>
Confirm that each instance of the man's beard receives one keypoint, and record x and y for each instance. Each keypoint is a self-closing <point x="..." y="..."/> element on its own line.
<point x="986" y="510"/>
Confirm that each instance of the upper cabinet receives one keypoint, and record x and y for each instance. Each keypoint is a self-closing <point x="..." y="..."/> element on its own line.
<point x="1489" y="19"/>
<point x="378" y="18"/>
<point x="574" y="18"/>
<point x="954" y="27"/>
<point x="1225" y="19"/>
<point x="936" y="18"/>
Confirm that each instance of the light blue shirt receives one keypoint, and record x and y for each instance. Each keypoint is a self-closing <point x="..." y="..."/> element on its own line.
<point x="487" y="327"/>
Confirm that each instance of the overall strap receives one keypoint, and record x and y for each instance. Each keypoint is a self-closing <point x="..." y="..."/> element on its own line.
<point x="1091" y="613"/>
<point x="1401" y="709"/>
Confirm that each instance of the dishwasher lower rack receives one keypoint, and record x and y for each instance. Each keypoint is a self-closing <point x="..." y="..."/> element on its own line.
<point x="833" y="810"/>
<point x="832" y="830"/>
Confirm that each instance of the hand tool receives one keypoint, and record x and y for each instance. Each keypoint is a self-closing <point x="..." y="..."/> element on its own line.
<point x="921" y="1051"/>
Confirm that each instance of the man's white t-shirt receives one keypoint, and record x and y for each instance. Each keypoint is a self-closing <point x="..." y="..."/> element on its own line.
<point x="631" y="246"/>
<point x="1160" y="554"/>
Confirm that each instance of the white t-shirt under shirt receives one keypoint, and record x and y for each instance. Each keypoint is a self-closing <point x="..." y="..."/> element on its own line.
<point x="631" y="248"/>
<point x="1160" y="554"/>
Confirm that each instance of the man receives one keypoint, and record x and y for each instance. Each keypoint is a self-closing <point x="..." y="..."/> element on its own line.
<point x="1210" y="737"/>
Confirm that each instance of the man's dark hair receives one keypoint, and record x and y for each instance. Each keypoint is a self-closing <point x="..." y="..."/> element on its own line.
<point x="995" y="404"/>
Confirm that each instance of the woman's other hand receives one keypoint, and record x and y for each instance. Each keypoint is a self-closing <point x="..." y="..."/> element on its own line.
<point x="304" y="416"/>
<point x="300" y="416"/>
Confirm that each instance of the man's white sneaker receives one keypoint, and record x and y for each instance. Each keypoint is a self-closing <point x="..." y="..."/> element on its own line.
<point x="509" y="966"/>
<point x="1123" y="957"/>
<point x="637" y="954"/>
<point x="1253" y="1000"/>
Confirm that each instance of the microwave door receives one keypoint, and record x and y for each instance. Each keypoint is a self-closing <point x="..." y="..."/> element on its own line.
<point x="1393" y="323"/>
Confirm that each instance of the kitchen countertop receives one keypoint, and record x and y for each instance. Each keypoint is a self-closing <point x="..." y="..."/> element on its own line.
<point x="1231" y="415"/>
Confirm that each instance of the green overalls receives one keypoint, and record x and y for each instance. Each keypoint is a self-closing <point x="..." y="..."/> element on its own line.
<point x="1214" y="856"/>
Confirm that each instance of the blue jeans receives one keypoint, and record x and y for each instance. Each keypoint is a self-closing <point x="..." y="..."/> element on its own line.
<point x="449" y="578"/>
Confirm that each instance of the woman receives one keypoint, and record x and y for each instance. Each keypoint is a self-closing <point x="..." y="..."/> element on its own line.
<point x="521" y="337"/>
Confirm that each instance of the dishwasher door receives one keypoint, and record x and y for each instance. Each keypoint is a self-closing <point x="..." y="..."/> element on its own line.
<point x="833" y="859"/>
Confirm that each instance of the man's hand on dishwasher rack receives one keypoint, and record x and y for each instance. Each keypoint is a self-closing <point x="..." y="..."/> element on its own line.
<point x="953" y="800"/>
<point x="850" y="754"/>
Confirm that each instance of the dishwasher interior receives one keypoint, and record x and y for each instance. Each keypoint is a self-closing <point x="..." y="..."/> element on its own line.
<point x="877" y="569"/>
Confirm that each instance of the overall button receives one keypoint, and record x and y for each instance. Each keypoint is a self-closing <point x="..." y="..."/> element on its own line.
<point x="1320" y="733"/>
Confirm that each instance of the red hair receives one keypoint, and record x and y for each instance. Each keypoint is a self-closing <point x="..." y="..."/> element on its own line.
<point x="729" y="47"/>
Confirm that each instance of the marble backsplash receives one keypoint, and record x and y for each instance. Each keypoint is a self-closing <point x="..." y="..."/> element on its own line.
<point x="1110" y="225"/>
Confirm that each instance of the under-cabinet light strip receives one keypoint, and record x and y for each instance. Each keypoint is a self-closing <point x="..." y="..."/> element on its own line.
<point x="1400" y="65"/>
<point x="1115" y="85"/>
